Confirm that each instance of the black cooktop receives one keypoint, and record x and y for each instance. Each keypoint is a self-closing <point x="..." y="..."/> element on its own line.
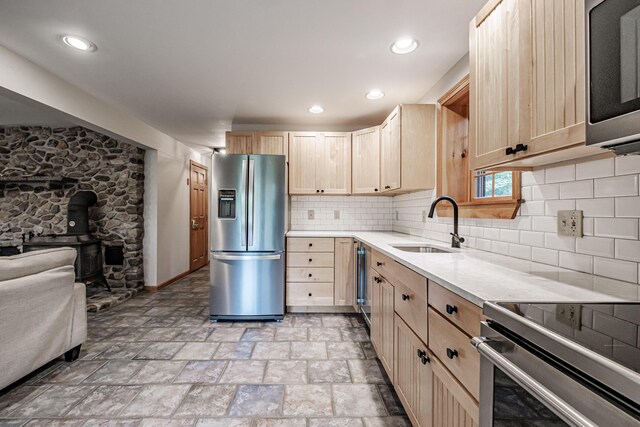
<point x="611" y="330"/>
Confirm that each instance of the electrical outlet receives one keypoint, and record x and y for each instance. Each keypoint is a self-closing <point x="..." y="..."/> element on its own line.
<point x="397" y="215"/>
<point x="336" y="214"/>
<point x="424" y="216"/>
<point x="311" y="214"/>
<point x="570" y="223"/>
<point x="569" y="314"/>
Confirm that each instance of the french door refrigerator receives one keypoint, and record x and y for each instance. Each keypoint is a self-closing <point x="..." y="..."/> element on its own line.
<point x="247" y="237"/>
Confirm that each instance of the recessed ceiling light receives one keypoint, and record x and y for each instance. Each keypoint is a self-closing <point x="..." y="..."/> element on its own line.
<point x="375" y="94"/>
<point x="316" y="109"/>
<point x="403" y="46"/>
<point x="79" y="43"/>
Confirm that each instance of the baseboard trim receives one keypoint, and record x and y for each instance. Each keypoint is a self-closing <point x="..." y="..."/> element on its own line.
<point x="167" y="283"/>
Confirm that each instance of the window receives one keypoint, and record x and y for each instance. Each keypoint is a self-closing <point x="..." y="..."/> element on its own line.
<point x="480" y="194"/>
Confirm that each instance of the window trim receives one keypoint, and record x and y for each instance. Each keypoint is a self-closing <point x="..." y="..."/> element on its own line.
<point x="503" y="207"/>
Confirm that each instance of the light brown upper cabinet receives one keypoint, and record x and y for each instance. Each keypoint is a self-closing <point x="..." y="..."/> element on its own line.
<point x="407" y="149"/>
<point x="257" y="142"/>
<point x="365" y="166"/>
<point x="527" y="82"/>
<point x="319" y="163"/>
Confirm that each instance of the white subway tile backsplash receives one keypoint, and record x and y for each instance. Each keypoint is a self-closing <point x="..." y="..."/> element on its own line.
<point x="356" y="213"/>
<point x="544" y="256"/>
<point x="626" y="165"/>
<point x="576" y="190"/>
<point x="616" y="269"/>
<point x="595" y="169"/>
<point x="628" y="250"/>
<point x="622" y="228"/>
<point x="597" y="207"/>
<point x="606" y="190"/>
<point x="560" y="174"/>
<point x="598" y="246"/>
<point x="619" y="186"/>
<point x="628" y="207"/>
<point x="577" y="262"/>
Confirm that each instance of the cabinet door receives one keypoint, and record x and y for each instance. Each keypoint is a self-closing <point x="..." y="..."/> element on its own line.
<point x="270" y="143"/>
<point x="413" y="375"/>
<point x="365" y="171"/>
<point x="376" y="309"/>
<point x="302" y="162"/>
<point x="553" y="106"/>
<point x="239" y="142"/>
<point x="345" y="272"/>
<point x="333" y="163"/>
<point x="452" y="405"/>
<point x="387" y="314"/>
<point x="390" y="152"/>
<point x="494" y="83"/>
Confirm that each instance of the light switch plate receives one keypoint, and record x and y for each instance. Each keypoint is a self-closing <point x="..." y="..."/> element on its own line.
<point x="311" y="214"/>
<point x="570" y="223"/>
<point x="424" y="216"/>
<point x="336" y="214"/>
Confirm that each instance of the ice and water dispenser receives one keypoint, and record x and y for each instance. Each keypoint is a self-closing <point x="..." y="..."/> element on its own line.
<point x="227" y="204"/>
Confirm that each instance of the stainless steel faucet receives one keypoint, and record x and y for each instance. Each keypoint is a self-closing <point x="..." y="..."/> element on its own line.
<point x="455" y="239"/>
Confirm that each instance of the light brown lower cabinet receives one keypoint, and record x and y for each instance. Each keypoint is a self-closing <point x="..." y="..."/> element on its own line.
<point x="413" y="374"/>
<point x="382" y="319"/>
<point x="345" y="277"/>
<point x="452" y="405"/>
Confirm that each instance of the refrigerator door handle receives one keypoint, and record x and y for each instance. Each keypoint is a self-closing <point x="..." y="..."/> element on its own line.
<point x="246" y="257"/>
<point x="251" y="203"/>
<point x="243" y="219"/>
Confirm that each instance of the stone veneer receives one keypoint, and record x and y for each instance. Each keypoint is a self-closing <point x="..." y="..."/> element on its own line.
<point x="113" y="169"/>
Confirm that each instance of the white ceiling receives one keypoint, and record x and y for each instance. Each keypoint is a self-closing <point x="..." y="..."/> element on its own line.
<point x="192" y="67"/>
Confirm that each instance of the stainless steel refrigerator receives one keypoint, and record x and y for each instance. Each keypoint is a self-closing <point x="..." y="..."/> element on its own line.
<point x="247" y="237"/>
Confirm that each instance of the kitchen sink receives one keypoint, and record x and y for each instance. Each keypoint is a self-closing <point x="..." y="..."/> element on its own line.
<point x="425" y="249"/>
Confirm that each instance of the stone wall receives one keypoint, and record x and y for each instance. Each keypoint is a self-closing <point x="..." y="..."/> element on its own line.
<point x="113" y="169"/>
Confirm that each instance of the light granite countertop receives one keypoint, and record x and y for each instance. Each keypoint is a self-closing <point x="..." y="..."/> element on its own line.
<point x="480" y="276"/>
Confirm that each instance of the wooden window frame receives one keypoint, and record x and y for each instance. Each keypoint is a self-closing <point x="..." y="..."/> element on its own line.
<point x="505" y="207"/>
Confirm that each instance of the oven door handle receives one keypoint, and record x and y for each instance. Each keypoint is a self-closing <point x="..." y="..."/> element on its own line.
<point x="559" y="406"/>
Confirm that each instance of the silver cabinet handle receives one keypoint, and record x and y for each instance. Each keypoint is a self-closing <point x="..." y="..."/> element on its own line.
<point x="566" y="412"/>
<point x="245" y="257"/>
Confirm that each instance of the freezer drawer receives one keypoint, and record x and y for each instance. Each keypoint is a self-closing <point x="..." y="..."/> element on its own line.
<point x="246" y="285"/>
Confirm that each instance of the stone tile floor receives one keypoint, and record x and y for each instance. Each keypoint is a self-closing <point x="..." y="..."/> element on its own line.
<point x="156" y="360"/>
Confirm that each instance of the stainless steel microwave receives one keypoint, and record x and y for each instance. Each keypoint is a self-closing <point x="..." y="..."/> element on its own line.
<point x="613" y="74"/>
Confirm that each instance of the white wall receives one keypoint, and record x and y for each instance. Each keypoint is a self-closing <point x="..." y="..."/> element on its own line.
<point x="166" y="243"/>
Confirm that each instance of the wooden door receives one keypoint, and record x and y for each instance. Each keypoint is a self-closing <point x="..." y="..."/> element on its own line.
<point x="270" y="143"/>
<point x="333" y="163"/>
<point x="553" y="105"/>
<point x="239" y="142"/>
<point x="365" y="171"/>
<point x="302" y="162"/>
<point x="390" y="152"/>
<point x="345" y="272"/>
<point x="412" y="374"/>
<point x="453" y="406"/>
<point x="386" y="299"/>
<point x="199" y="216"/>
<point x="494" y="82"/>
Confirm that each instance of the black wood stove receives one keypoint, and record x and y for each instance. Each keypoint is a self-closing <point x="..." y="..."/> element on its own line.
<point x="88" y="266"/>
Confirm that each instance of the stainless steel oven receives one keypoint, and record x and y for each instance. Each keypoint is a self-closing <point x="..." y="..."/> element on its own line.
<point x="613" y="74"/>
<point x="531" y="375"/>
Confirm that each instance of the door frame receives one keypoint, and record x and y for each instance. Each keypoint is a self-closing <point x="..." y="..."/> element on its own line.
<point x="191" y="165"/>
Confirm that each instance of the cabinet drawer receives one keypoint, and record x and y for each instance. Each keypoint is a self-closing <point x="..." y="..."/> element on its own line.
<point x="412" y="308"/>
<point x="456" y="309"/>
<point x="309" y="293"/>
<point x="453" y="348"/>
<point x="309" y="259"/>
<point x="396" y="272"/>
<point x="309" y="274"/>
<point x="310" y="244"/>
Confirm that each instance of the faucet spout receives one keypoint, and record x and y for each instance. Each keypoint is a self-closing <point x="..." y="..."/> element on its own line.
<point x="455" y="239"/>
